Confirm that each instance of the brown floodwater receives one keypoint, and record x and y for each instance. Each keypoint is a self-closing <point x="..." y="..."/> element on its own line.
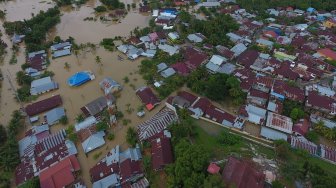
<point x="72" y="24"/>
<point x="23" y="9"/>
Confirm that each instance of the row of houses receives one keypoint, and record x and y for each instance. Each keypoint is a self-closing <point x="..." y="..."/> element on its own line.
<point x="42" y="154"/>
<point x="200" y="107"/>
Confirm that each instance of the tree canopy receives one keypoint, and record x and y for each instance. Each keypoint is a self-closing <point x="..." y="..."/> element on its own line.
<point x="261" y="5"/>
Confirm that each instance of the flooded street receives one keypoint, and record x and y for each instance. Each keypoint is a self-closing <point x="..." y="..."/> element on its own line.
<point x="73" y="24"/>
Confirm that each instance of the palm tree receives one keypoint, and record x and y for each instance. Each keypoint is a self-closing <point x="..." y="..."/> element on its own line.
<point x="76" y="54"/>
<point x="66" y="66"/>
<point x="98" y="60"/>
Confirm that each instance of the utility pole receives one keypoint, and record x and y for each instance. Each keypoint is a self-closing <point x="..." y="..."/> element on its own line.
<point x="27" y="121"/>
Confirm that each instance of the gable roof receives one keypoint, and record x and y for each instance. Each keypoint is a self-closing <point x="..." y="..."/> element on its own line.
<point x="61" y="174"/>
<point x="242" y="174"/>
<point x="327" y="53"/>
<point x="156" y="124"/>
<point x="43" y="105"/>
<point x="161" y="153"/>
<point x="54" y="115"/>
<point x="95" y="106"/>
<point x="247" y="58"/>
<point x="147" y="97"/>
<point x="324" y="102"/>
<point x="279" y="122"/>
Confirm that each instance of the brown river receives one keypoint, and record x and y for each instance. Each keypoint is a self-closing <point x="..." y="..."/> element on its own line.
<point x="72" y="24"/>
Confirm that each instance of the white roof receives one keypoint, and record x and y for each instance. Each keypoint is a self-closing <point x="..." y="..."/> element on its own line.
<point x="238" y="49"/>
<point x="217" y="59"/>
<point x="155" y="13"/>
<point x="272" y="134"/>
<point x="255" y="114"/>
<point x="94" y="141"/>
<point x="86" y="123"/>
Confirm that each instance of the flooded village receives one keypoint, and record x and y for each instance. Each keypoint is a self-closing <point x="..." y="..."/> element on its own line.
<point x="128" y="93"/>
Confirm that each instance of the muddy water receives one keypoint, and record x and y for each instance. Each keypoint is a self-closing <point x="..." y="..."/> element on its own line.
<point x="74" y="98"/>
<point x="73" y="24"/>
<point x="23" y="9"/>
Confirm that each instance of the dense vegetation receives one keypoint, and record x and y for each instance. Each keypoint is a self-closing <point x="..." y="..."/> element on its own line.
<point x="69" y="2"/>
<point x="214" y="28"/>
<point x="299" y="165"/>
<point x="293" y="109"/>
<point x="216" y="87"/>
<point x="261" y="5"/>
<point x="35" y="29"/>
<point x="9" y="150"/>
<point x="328" y="133"/>
<point x="149" y="72"/>
<point x="113" y="4"/>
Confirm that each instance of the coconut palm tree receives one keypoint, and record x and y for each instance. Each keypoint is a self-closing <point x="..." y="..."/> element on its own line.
<point x="66" y="66"/>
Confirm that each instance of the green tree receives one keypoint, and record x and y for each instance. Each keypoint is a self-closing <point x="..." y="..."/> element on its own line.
<point x="214" y="181"/>
<point x="227" y="138"/>
<point x="64" y="120"/>
<point x="32" y="183"/>
<point x="3" y="134"/>
<point x="80" y="118"/>
<point x="296" y="114"/>
<point x="131" y="136"/>
<point x="188" y="169"/>
<point x="23" y="79"/>
<point x="312" y="136"/>
<point x="102" y="126"/>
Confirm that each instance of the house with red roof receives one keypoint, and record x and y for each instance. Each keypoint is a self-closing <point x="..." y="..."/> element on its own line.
<point x="327" y="53"/>
<point x="181" y="68"/>
<point x="257" y="97"/>
<point x="117" y="168"/>
<point x="43" y="105"/>
<point x="213" y="168"/>
<point x="242" y="174"/>
<point x="301" y="128"/>
<point x="194" y="58"/>
<point x="281" y="90"/>
<point x="247" y="58"/>
<point x="161" y="153"/>
<point x="263" y="83"/>
<point x="61" y="174"/>
<point x="321" y="103"/>
<point x="147" y="97"/>
<point x="285" y="72"/>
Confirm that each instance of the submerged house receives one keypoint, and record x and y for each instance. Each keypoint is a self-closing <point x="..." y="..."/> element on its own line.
<point x="91" y="138"/>
<point x="62" y="174"/>
<point x="110" y="85"/>
<point x="147" y="97"/>
<point x="95" y="107"/>
<point x="61" y="49"/>
<point x="117" y="168"/>
<point x="37" y="60"/>
<point x="53" y="116"/>
<point x="156" y="124"/>
<point x="81" y="78"/>
<point x="43" y="105"/>
<point x="42" y="85"/>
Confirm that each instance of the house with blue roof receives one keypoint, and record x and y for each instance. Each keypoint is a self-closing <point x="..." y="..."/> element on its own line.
<point x="311" y="10"/>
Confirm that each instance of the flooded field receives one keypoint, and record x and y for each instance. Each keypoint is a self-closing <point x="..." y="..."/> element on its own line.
<point x="73" y="24"/>
<point x="24" y="9"/>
